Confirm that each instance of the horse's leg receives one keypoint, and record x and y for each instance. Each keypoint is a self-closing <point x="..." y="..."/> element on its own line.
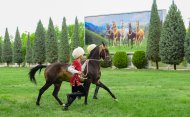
<point x="100" y="84"/>
<point x="55" y="92"/>
<point x="96" y="92"/>
<point x="42" y="90"/>
<point x="87" y="87"/>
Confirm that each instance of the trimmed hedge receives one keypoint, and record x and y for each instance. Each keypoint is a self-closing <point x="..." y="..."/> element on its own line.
<point x="120" y="60"/>
<point x="106" y="64"/>
<point x="139" y="59"/>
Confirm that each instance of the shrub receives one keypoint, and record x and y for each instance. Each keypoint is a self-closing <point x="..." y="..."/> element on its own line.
<point x="106" y="64"/>
<point x="139" y="59"/>
<point x="120" y="60"/>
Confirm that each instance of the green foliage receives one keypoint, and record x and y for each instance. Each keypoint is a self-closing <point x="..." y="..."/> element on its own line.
<point x="81" y="34"/>
<point x="17" y="50"/>
<point x="172" y="37"/>
<point x="28" y="51"/>
<point x="120" y="60"/>
<point x="7" y="53"/>
<point x="187" y="45"/>
<point x="39" y="44"/>
<point x="75" y="40"/>
<point x="106" y="64"/>
<point x="57" y="33"/>
<point x="51" y="44"/>
<point x="91" y="37"/>
<point x="1" y="49"/>
<point x="139" y="59"/>
<point x="154" y="35"/>
<point x="64" y="48"/>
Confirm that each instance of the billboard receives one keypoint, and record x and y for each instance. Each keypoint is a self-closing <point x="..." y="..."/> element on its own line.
<point x="119" y="29"/>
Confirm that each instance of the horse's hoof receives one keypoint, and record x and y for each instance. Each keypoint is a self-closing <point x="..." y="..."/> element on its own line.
<point x="95" y="97"/>
<point x="37" y="104"/>
<point x="65" y="108"/>
<point x="116" y="100"/>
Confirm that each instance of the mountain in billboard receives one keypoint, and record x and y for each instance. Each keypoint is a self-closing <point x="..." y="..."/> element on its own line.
<point x="94" y="28"/>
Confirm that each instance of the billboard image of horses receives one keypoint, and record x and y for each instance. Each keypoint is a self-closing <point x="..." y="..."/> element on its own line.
<point x="119" y="29"/>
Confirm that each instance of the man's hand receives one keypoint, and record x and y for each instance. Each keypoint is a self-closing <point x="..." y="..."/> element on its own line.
<point x="79" y="73"/>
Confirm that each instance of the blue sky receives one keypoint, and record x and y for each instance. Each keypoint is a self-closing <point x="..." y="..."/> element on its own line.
<point x="26" y="13"/>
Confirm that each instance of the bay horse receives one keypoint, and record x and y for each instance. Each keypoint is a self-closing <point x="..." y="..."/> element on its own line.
<point x="56" y="73"/>
<point x="139" y="34"/>
<point x="131" y="36"/>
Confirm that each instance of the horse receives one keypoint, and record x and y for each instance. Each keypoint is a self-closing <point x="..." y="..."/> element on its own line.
<point x="109" y="34"/>
<point x="56" y="73"/>
<point x="116" y="34"/>
<point x="123" y="35"/>
<point x="139" y="34"/>
<point x="131" y="35"/>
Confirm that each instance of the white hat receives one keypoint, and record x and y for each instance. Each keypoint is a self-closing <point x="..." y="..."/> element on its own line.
<point x="77" y="52"/>
<point x="91" y="47"/>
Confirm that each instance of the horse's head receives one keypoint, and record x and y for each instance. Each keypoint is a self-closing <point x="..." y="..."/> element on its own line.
<point x="104" y="52"/>
<point x="99" y="52"/>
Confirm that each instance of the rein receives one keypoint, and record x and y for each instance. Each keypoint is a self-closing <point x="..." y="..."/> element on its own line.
<point x="87" y="61"/>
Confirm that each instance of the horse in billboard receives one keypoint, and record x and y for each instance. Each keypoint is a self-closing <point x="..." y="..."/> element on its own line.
<point x="131" y="36"/>
<point x="109" y="34"/>
<point x="139" y="34"/>
<point x="123" y="36"/>
<point x="116" y="34"/>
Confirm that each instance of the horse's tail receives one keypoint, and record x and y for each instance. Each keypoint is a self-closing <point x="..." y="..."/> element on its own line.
<point x="33" y="72"/>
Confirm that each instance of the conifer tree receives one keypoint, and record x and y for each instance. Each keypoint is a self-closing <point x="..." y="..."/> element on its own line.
<point x="39" y="44"/>
<point x="64" y="49"/>
<point x="75" y="40"/>
<point x="28" y="51"/>
<point x="51" y="44"/>
<point x="154" y="35"/>
<point x="7" y="53"/>
<point x="171" y="44"/>
<point x="17" y="50"/>
<point x="187" y="45"/>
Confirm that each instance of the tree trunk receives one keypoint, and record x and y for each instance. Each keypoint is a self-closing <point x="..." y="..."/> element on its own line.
<point x="157" y="67"/>
<point x="174" y="66"/>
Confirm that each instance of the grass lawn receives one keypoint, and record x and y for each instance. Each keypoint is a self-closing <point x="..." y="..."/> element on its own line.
<point x="141" y="93"/>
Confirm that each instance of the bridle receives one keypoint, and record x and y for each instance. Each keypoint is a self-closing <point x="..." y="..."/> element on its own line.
<point x="87" y="61"/>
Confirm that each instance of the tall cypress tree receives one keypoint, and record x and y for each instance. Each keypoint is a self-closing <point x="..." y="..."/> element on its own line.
<point x="81" y="33"/>
<point x="0" y="49"/>
<point x="17" y="50"/>
<point x="172" y="37"/>
<point x="51" y="44"/>
<point x="64" y="49"/>
<point x="154" y="35"/>
<point x="75" y="41"/>
<point x="187" y="45"/>
<point x="7" y="54"/>
<point x="28" y="51"/>
<point x="39" y="44"/>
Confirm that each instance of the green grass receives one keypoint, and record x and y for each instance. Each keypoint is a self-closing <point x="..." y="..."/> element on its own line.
<point x="141" y="93"/>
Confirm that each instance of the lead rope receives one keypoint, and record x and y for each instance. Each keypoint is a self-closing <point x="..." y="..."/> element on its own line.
<point x="87" y="61"/>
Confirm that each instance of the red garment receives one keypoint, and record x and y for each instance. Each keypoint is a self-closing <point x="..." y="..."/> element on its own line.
<point x="77" y="65"/>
